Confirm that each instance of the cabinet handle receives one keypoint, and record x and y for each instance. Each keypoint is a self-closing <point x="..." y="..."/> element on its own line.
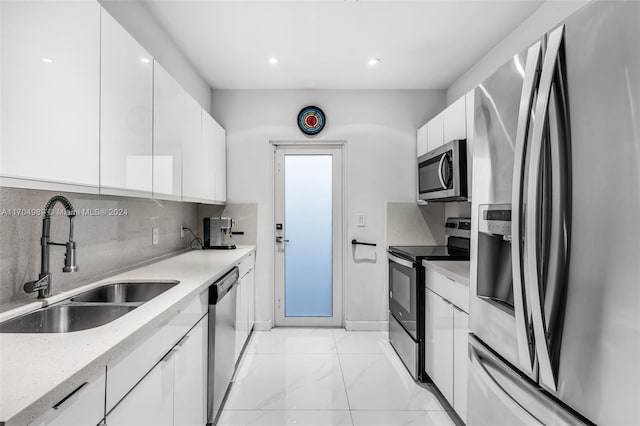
<point x="183" y="340"/>
<point x="169" y="354"/>
<point x="71" y="397"/>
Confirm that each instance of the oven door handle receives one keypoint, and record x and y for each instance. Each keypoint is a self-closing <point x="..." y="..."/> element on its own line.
<point x="400" y="261"/>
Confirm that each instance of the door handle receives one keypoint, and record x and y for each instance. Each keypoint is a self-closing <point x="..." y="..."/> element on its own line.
<point x="440" y="175"/>
<point x="524" y="337"/>
<point x="533" y="243"/>
<point x="281" y="240"/>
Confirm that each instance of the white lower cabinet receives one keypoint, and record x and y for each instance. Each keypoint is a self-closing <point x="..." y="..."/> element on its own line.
<point x="83" y="406"/>
<point x="190" y="385"/>
<point x="460" y="350"/>
<point x="150" y="402"/>
<point x="446" y="339"/>
<point x="439" y="343"/>
<point x="174" y="391"/>
<point x="245" y="303"/>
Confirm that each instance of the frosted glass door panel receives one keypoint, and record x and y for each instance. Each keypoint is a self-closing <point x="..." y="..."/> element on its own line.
<point x="308" y="211"/>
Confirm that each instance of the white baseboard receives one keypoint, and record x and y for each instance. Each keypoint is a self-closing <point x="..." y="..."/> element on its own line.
<point x="366" y="325"/>
<point x="262" y="325"/>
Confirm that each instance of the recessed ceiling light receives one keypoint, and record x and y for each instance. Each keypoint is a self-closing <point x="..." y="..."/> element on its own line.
<point x="273" y="60"/>
<point x="47" y="60"/>
<point x="144" y="60"/>
<point x="374" y="61"/>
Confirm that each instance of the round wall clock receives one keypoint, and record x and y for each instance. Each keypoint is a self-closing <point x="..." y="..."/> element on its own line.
<point x="311" y="120"/>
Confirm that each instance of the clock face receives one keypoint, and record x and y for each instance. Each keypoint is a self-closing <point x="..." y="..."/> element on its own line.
<point x="311" y="120"/>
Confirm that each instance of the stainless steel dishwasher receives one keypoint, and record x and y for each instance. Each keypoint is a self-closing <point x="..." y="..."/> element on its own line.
<point x="222" y="341"/>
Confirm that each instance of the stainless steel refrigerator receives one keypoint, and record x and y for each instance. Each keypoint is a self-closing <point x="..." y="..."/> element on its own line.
<point x="555" y="250"/>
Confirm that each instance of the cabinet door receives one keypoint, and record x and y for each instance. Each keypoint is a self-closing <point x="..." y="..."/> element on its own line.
<point x="126" y="96"/>
<point x="460" y="350"/>
<point x="435" y="132"/>
<point x="251" y="281"/>
<point x="50" y="78"/>
<point x="84" y="406"/>
<point x="421" y="140"/>
<point x="208" y="172"/>
<point x="194" y="165"/>
<point x="150" y="402"/>
<point x="190" y="392"/>
<point x="455" y="121"/>
<point x="439" y="343"/>
<point x="220" y="144"/>
<point x="240" y="318"/>
<point x="176" y="127"/>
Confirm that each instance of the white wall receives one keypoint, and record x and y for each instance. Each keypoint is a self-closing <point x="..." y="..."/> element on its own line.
<point x="379" y="128"/>
<point x="547" y="16"/>
<point x="136" y="18"/>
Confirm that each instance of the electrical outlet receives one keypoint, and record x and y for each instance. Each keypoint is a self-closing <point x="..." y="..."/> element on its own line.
<point x="181" y="231"/>
<point x="155" y="236"/>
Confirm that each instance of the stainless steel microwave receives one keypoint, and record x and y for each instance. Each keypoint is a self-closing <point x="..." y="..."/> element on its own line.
<point x="442" y="173"/>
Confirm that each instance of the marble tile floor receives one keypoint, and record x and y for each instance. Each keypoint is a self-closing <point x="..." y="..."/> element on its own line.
<point x="327" y="377"/>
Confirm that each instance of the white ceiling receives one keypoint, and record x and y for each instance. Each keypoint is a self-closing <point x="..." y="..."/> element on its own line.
<point x="326" y="44"/>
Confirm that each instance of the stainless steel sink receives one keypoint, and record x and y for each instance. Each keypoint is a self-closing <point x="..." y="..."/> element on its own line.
<point x="87" y="310"/>
<point x="124" y="292"/>
<point x="65" y="318"/>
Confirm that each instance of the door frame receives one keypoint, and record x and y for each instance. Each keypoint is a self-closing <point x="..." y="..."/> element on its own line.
<point x="340" y="312"/>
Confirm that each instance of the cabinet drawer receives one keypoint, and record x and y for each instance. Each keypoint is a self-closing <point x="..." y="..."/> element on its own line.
<point x="128" y="370"/>
<point x="453" y="291"/>
<point x="246" y="264"/>
<point x="84" y="406"/>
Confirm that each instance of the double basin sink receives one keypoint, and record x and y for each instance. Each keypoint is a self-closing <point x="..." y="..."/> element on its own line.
<point x="90" y="309"/>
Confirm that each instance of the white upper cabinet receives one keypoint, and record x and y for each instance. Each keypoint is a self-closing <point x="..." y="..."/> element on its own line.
<point x="455" y="121"/>
<point x="199" y="176"/>
<point x="50" y="79"/>
<point x="421" y="140"/>
<point x="126" y="98"/>
<point x="220" y="165"/>
<point x="176" y="126"/>
<point x="435" y="132"/>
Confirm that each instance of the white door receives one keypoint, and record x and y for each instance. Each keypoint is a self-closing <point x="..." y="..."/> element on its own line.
<point x="308" y="235"/>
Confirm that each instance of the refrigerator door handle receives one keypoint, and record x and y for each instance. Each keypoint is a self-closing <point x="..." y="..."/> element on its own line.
<point x="478" y="357"/>
<point x="515" y="392"/>
<point x="552" y="237"/>
<point x="524" y="338"/>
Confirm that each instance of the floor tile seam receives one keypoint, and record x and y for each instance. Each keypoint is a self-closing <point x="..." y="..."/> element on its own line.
<point x="407" y="409"/>
<point x="344" y="383"/>
<point x="287" y="409"/>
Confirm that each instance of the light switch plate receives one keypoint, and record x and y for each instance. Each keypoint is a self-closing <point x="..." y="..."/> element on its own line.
<point x="361" y="220"/>
<point x="155" y="239"/>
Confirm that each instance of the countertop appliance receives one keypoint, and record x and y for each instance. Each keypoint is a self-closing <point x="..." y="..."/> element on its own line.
<point x="442" y="173"/>
<point x="406" y="291"/>
<point x="215" y="229"/>
<point x="222" y="341"/>
<point x="555" y="300"/>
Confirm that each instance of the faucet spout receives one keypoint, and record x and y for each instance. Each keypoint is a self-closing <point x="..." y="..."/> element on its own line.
<point x="43" y="284"/>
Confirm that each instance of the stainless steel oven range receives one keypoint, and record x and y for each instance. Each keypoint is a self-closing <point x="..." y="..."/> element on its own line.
<point x="406" y="291"/>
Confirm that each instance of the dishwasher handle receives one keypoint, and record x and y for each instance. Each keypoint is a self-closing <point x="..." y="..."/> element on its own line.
<point x="221" y="287"/>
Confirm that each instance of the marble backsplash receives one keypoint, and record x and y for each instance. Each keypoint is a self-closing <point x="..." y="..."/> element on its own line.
<point x="106" y="242"/>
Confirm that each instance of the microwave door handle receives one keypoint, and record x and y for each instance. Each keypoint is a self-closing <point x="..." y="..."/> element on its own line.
<point x="440" y="175"/>
<point x="524" y="337"/>
<point x="548" y="370"/>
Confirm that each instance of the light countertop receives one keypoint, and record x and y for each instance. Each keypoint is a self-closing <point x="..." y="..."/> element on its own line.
<point x="457" y="270"/>
<point x="38" y="370"/>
